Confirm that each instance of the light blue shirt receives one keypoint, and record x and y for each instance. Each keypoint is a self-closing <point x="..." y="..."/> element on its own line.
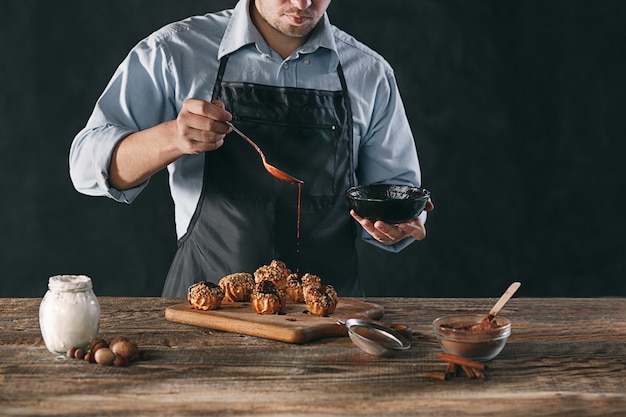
<point x="180" y="61"/>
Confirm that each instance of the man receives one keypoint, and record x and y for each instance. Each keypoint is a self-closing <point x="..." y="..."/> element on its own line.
<point x="322" y="107"/>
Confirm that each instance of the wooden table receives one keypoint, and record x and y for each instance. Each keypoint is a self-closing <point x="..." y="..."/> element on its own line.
<point x="565" y="357"/>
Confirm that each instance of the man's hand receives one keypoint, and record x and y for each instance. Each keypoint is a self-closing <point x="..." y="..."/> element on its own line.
<point x="389" y="234"/>
<point x="200" y="126"/>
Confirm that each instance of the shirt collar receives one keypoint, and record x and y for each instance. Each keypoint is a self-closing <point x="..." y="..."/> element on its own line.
<point x="241" y="32"/>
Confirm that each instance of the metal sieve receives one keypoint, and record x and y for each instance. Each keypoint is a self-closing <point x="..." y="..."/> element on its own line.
<point x="374" y="338"/>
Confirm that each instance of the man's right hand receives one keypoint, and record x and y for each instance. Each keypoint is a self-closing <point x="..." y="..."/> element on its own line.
<point x="201" y="127"/>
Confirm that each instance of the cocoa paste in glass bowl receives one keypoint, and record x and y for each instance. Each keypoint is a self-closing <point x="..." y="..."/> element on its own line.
<point x="463" y="335"/>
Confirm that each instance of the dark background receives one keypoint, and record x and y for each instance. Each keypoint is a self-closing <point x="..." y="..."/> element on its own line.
<point x="517" y="108"/>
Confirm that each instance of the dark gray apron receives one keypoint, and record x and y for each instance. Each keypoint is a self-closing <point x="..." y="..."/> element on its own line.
<point x="245" y="218"/>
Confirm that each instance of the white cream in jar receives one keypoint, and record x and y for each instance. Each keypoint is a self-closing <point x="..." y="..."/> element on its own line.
<point x="69" y="314"/>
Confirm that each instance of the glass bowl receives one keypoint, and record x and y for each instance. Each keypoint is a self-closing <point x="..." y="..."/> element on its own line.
<point x="456" y="336"/>
<point x="391" y="203"/>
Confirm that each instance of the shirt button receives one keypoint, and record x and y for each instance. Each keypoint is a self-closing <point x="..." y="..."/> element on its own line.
<point x="307" y="62"/>
<point x="285" y="65"/>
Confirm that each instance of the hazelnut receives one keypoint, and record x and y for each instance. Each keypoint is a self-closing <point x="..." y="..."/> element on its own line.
<point x="89" y="357"/>
<point x="99" y="345"/>
<point x="120" y="361"/>
<point x="71" y="352"/>
<point x="93" y="342"/>
<point x="79" y="353"/>
<point x="104" y="356"/>
<point x="118" y="339"/>
<point x="125" y="349"/>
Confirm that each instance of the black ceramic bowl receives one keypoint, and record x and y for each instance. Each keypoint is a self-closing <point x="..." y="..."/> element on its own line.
<point x="388" y="202"/>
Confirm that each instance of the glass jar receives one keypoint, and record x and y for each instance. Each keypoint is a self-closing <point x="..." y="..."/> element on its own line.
<point x="69" y="314"/>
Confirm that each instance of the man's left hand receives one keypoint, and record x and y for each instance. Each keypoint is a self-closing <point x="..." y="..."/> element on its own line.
<point x="389" y="234"/>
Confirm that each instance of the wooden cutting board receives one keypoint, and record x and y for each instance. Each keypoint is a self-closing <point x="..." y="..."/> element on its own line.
<point x="293" y="325"/>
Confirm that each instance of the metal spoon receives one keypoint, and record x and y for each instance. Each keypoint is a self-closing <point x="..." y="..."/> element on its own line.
<point x="281" y="175"/>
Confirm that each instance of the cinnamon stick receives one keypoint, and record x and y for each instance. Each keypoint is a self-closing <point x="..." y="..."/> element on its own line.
<point x="479" y="374"/>
<point x="468" y="371"/>
<point x="451" y="369"/>
<point x="436" y="375"/>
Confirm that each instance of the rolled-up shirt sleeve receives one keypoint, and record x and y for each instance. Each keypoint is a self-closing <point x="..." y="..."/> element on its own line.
<point x="133" y="100"/>
<point x="90" y="157"/>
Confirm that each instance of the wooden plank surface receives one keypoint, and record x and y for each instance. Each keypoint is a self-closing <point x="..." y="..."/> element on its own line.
<point x="564" y="357"/>
<point x="293" y="325"/>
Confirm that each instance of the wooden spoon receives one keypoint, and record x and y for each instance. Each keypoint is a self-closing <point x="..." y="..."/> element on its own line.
<point x="269" y="168"/>
<point x="499" y="304"/>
